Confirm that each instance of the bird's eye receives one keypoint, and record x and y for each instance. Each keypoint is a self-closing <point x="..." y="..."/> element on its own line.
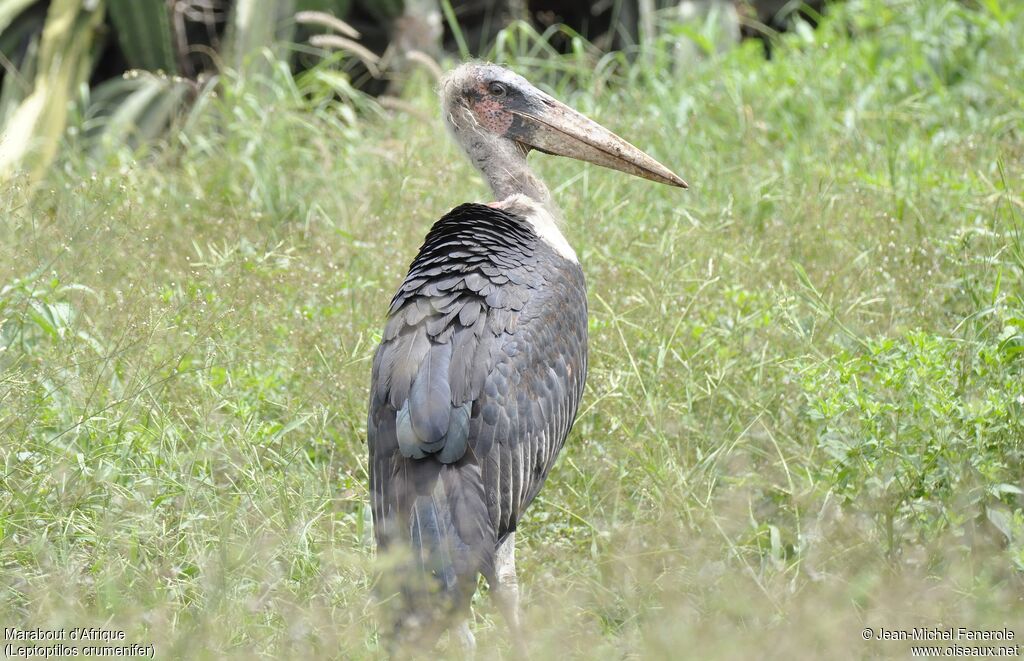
<point x="496" y="89"/>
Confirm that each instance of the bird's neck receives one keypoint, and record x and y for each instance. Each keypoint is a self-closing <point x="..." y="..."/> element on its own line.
<point x="503" y="164"/>
<point x="544" y="222"/>
<point x="516" y="188"/>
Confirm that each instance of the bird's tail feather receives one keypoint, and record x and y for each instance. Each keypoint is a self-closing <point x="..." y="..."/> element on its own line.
<point x="435" y="540"/>
<point x="451" y="540"/>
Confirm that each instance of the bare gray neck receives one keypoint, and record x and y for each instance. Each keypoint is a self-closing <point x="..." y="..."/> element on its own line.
<point x="503" y="164"/>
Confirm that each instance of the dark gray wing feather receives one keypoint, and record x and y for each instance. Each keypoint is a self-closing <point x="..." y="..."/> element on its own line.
<point x="481" y="368"/>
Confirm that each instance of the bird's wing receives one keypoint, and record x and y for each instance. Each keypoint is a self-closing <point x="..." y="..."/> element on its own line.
<point x="530" y="397"/>
<point x="481" y="364"/>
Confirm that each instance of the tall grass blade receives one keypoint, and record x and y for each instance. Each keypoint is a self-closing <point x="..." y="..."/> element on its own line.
<point x="453" y="25"/>
<point x="254" y="25"/>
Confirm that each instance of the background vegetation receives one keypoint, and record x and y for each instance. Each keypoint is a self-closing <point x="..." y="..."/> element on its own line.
<point x="804" y="415"/>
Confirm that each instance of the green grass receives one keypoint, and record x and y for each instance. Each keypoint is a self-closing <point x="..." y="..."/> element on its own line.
<point x="804" y="412"/>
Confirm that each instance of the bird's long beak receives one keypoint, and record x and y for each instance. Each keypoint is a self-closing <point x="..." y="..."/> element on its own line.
<point x="560" y="130"/>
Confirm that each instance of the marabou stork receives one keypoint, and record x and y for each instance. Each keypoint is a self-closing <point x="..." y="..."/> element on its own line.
<point x="481" y="367"/>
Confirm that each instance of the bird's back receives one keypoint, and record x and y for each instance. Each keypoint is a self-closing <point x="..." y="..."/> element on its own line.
<point x="475" y="386"/>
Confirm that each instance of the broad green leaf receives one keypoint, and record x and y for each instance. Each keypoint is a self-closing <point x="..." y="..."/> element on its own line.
<point x="144" y="33"/>
<point x="31" y="136"/>
<point x="9" y="10"/>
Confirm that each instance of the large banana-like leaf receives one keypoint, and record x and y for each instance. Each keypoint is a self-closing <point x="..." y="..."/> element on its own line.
<point x="144" y="33"/>
<point x="33" y="132"/>
<point x="16" y="34"/>
<point x="19" y="44"/>
<point x="10" y="9"/>
<point x="16" y="83"/>
<point x="133" y="110"/>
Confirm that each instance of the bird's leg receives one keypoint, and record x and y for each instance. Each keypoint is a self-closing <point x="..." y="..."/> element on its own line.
<point x="466" y="640"/>
<point x="505" y="588"/>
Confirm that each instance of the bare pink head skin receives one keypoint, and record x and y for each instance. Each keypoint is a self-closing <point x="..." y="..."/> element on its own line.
<point x="497" y="117"/>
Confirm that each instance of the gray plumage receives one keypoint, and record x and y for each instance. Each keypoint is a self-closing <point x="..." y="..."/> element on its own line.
<point x="475" y="386"/>
<point x="482" y="363"/>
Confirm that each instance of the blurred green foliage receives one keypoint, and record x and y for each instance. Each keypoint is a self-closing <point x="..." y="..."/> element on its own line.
<point x="49" y="52"/>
